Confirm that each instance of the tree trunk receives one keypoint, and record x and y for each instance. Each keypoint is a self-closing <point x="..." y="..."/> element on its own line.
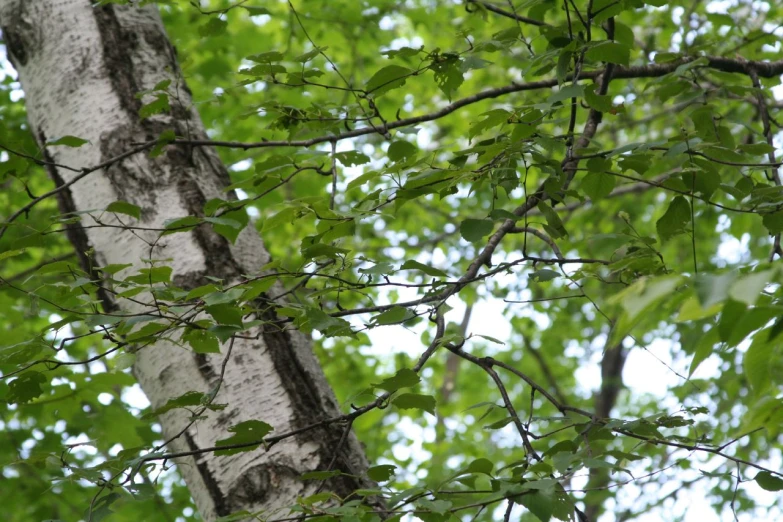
<point x="81" y="67"/>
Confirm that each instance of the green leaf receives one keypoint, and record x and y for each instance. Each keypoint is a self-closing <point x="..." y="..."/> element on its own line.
<point x="769" y="482"/>
<point x="267" y="57"/>
<point x="402" y="52"/>
<point x="748" y="287"/>
<point x="184" y="224"/>
<point x="256" y="11"/>
<point x="244" y="433"/>
<point x="404" y="378"/>
<point x="491" y="119"/>
<point x="756" y="363"/>
<point x="554" y="224"/>
<point x="676" y="219"/>
<point x="188" y="399"/>
<point x="705" y="348"/>
<point x="773" y="222"/>
<point x="321" y="250"/>
<point x="598" y="102"/>
<point x="415" y="265"/>
<point x="598" y="185"/>
<point x="415" y="401"/>
<point x="401" y="151"/>
<point x="12" y="253"/>
<point x="386" y="79"/>
<point x="68" y="141"/>
<point x="309" y="55"/>
<point x="543" y="275"/>
<point x="381" y="473"/>
<point x="148" y="332"/>
<point x="158" y="106"/>
<point x="151" y="276"/>
<point x="26" y="387"/>
<point x="394" y="315"/>
<point x="326" y="324"/>
<point x="225" y="314"/>
<point x="230" y="224"/>
<point x="378" y="269"/>
<point x="539" y="504"/>
<point x="480" y="465"/>
<point x="123" y="207"/>
<point x="565" y="93"/>
<point x="612" y="52"/>
<point x="475" y="229"/>
<point x="713" y="288"/>
<point x="202" y="341"/>
<point x="352" y="158"/>
<point x="214" y="27"/>
<point x="166" y="137"/>
<point x="448" y="73"/>
<point x="319" y="475"/>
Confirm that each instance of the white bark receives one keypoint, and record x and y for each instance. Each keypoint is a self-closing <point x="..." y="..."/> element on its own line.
<point x="80" y="67"/>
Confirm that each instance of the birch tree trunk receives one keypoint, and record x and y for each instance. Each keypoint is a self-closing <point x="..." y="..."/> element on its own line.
<point x="81" y="67"/>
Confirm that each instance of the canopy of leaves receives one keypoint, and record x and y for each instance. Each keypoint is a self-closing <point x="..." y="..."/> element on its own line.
<point x="590" y="182"/>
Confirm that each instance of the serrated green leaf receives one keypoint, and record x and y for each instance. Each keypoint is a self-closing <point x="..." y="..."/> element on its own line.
<point x="404" y="378"/>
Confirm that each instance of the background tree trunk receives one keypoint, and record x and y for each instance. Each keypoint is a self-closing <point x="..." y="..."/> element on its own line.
<point x="81" y="67"/>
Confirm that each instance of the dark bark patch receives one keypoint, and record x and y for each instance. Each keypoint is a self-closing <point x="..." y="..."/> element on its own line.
<point x="15" y="46"/>
<point x="255" y="485"/>
<point x="218" y="258"/>
<point x="215" y="493"/>
<point x="308" y="405"/>
<point x="74" y="231"/>
<point x="116" y="43"/>
<point x="206" y="369"/>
